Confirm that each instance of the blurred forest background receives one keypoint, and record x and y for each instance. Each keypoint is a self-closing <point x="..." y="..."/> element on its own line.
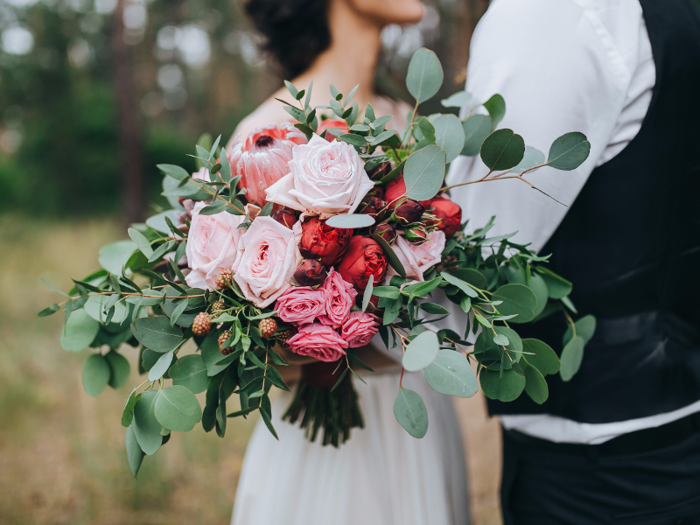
<point x="94" y="93"/>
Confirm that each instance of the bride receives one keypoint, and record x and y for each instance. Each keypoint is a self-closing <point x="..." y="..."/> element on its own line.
<point x="382" y="475"/>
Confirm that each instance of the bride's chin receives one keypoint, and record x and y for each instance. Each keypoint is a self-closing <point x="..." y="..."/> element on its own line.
<point x="387" y="12"/>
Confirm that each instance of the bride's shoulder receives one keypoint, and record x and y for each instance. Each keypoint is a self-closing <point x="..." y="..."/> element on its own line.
<point x="270" y="112"/>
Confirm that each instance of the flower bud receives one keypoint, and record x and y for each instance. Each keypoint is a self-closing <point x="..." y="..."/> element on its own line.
<point x="416" y="234"/>
<point x="408" y="211"/>
<point x="382" y="170"/>
<point x="286" y="217"/>
<point x="310" y="273"/>
<point x="386" y="232"/>
<point x="372" y="206"/>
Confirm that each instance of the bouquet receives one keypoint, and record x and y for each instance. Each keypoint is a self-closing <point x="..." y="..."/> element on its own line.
<point x="314" y="237"/>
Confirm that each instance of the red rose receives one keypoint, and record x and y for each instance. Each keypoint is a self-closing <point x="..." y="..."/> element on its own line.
<point x="320" y="241"/>
<point x="449" y="213"/>
<point x="396" y="189"/>
<point x="363" y="258"/>
<point x="286" y="217"/>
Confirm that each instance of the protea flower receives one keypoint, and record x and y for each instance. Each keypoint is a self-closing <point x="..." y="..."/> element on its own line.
<point x="261" y="159"/>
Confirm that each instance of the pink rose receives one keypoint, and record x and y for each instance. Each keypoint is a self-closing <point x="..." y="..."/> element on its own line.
<point x="267" y="258"/>
<point x="326" y="178"/>
<point x="340" y="296"/>
<point x="261" y="159"/>
<point x="212" y="246"/>
<point x="417" y="260"/>
<point x="359" y="329"/>
<point x="301" y="304"/>
<point x="318" y="341"/>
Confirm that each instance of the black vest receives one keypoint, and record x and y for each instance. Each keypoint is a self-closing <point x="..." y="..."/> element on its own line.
<point x="630" y="243"/>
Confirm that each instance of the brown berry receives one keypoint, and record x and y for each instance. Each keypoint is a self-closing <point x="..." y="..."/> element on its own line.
<point x="286" y="335"/>
<point x="225" y="336"/>
<point x="221" y="280"/>
<point x="218" y="306"/>
<point x="268" y="327"/>
<point x="201" y="324"/>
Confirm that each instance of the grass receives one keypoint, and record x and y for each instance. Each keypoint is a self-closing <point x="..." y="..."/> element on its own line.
<point x="62" y="457"/>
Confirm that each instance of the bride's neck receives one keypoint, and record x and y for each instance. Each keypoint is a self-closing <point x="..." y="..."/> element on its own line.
<point x="350" y="60"/>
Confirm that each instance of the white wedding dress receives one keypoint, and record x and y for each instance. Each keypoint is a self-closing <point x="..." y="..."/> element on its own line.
<point x="380" y="476"/>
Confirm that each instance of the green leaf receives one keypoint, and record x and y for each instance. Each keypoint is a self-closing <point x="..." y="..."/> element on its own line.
<point x="49" y="310"/>
<point x="128" y="412"/>
<point x="433" y="308"/>
<point x="191" y="372"/>
<point x="161" y="366"/>
<point x="504" y="387"/>
<point x="368" y="293"/>
<point x="449" y="135"/>
<point x="518" y="300"/>
<point x="391" y="256"/>
<point x="140" y="239"/>
<point x="558" y="287"/>
<point x="424" y="172"/>
<point x="471" y="276"/>
<point x="502" y="150"/>
<point x="459" y="283"/>
<point x="569" y="151"/>
<point x="133" y="452"/>
<point x="350" y="221"/>
<point x="114" y="257"/>
<point x="97" y="307"/>
<point x="544" y="358"/>
<point x="535" y="386"/>
<point x="176" y="172"/>
<point x="119" y="368"/>
<point x="79" y="331"/>
<point x="96" y="374"/>
<point x="424" y="76"/>
<point x="585" y="327"/>
<point x="487" y="350"/>
<point x="496" y="107"/>
<point x="571" y="358"/>
<point x="292" y="90"/>
<point x="533" y="157"/>
<point x="421" y="352"/>
<point x="461" y="99"/>
<point x="176" y="408"/>
<point x="211" y="355"/>
<point x="146" y="427"/>
<point x="390" y="292"/>
<point x="476" y="129"/>
<point x="156" y="333"/>
<point x="451" y="375"/>
<point x="353" y="140"/>
<point x="427" y="130"/>
<point x="410" y="412"/>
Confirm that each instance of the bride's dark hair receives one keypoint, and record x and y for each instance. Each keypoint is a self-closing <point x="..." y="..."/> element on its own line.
<point x="295" y="31"/>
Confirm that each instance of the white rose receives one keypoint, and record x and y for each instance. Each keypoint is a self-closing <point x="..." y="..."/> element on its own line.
<point x="267" y="258"/>
<point x="326" y="178"/>
<point x="417" y="260"/>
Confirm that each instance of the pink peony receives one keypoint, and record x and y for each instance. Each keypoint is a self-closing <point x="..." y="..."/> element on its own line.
<point x="326" y="178"/>
<point x="212" y="246"/>
<point x="417" y="260"/>
<point x="261" y="159"/>
<point x="267" y="258"/>
<point x="359" y="329"/>
<point x="318" y="341"/>
<point x="340" y="296"/>
<point x="301" y="304"/>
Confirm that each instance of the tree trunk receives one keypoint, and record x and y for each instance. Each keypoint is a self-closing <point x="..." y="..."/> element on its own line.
<point x="131" y="153"/>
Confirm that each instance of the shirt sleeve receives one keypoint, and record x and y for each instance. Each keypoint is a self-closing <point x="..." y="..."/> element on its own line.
<point x="559" y="69"/>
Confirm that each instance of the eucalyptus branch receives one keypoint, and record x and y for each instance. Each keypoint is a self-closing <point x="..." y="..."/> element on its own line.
<point x="217" y="196"/>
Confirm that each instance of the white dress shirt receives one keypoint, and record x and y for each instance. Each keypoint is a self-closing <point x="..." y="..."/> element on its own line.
<point x="561" y="65"/>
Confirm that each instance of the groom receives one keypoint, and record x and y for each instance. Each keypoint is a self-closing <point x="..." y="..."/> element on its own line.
<point x="620" y="443"/>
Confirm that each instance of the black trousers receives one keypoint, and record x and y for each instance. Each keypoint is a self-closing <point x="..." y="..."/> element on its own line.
<point x="546" y="486"/>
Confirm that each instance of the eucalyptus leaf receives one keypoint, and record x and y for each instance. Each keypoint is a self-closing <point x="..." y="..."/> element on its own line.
<point x="451" y="375"/>
<point x="156" y="333"/>
<point x="557" y="286"/>
<point x="541" y="356"/>
<point x="158" y="223"/>
<point x="476" y="128"/>
<point x="391" y="256"/>
<point x="585" y="327"/>
<point x="518" y="300"/>
<point x="113" y="257"/>
<point x="141" y="241"/>
<point x="79" y="331"/>
<point x="535" y="386"/>
<point x="191" y="372"/>
<point x="119" y="369"/>
<point x="146" y="427"/>
<point x="506" y="386"/>
<point x="424" y="76"/>
<point x="459" y="283"/>
<point x="449" y="135"/>
<point x="502" y="150"/>
<point x="161" y="366"/>
<point x="461" y="99"/>
<point x="571" y="358"/>
<point x="410" y="412"/>
<point x="96" y="307"/>
<point x="177" y="409"/>
<point x="421" y="352"/>
<point x="134" y="453"/>
<point x="569" y="151"/>
<point x="496" y="107"/>
<point x="533" y="157"/>
<point x="176" y="172"/>
<point x="367" y="293"/>
<point x="350" y="221"/>
<point x="424" y="173"/>
<point x="128" y="412"/>
<point x="96" y="374"/>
